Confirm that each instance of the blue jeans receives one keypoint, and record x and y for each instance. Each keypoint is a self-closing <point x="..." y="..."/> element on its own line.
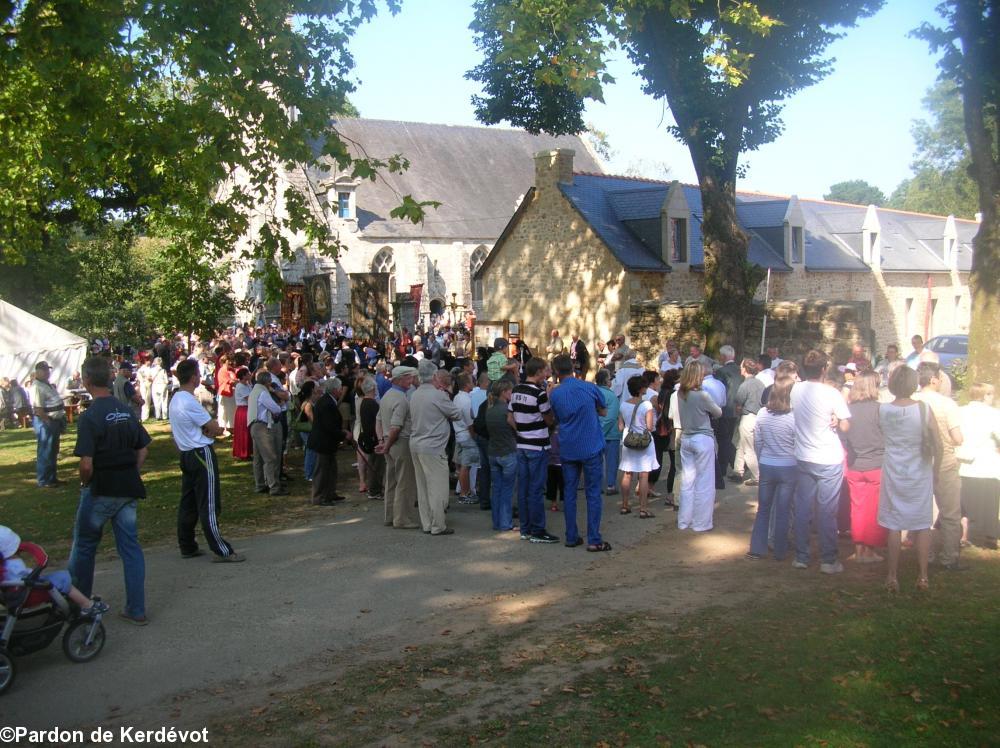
<point x="819" y="485"/>
<point x="612" y="454"/>
<point x="309" y="463"/>
<point x="777" y="488"/>
<point x="592" y="468"/>
<point x="93" y="513"/>
<point x="47" y="449"/>
<point x="503" y="472"/>
<point x="532" y="471"/>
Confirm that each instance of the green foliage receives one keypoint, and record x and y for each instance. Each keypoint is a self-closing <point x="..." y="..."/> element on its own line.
<point x="941" y="184"/>
<point x="147" y="112"/>
<point x="969" y="43"/>
<point x="856" y="191"/>
<point x="189" y="291"/>
<point x="99" y="288"/>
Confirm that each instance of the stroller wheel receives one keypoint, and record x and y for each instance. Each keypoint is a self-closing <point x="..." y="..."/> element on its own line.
<point x="83" y="640"/>
<point x="8" y="670"/>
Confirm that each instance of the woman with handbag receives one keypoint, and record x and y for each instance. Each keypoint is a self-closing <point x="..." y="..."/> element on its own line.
<point x="637" y="419"/>
<point x="912" y="454"/>
<point x="696" y="409"/>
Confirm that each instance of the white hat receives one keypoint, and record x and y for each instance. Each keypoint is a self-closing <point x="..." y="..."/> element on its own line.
<point x="9" y="542"/>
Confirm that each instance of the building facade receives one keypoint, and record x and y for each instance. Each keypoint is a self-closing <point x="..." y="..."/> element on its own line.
<point x="585" y="251"/>
<point x="478" y="175"/>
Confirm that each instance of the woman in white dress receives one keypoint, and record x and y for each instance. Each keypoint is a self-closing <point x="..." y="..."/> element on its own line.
<point x="908" y="476"/>
<point x="637" y="415"/>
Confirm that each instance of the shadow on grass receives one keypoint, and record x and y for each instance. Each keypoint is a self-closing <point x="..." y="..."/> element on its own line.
<point x="46" y="515"/>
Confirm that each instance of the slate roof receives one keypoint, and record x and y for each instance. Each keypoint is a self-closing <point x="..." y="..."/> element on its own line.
<point x="477" y="173"/>
<point x="625" y="213"/>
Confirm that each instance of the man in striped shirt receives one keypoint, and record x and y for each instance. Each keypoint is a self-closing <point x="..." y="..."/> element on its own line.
<point x="530" y="415"/>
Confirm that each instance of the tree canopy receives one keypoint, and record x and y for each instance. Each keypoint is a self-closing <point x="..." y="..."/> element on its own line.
<point x="174" y="115"/>
<point x="940" y="183"/>
<point x="856" y="191"/>
<point x="969" y="42"/>
<point x="724" y="69"/>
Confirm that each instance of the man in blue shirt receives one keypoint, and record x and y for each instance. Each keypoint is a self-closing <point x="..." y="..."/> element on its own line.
<point x="577" y="406"/>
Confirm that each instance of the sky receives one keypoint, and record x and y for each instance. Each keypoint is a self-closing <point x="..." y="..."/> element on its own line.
<point x="855" y="124"/>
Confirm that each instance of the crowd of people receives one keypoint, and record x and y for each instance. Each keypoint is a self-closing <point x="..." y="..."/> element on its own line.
<point x="878" y="452"/>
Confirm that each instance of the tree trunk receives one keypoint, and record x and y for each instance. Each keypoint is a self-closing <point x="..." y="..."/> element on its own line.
<point x="727" y="293"/>
<point x="977" y="79"/>
<point x="984" y="330"/>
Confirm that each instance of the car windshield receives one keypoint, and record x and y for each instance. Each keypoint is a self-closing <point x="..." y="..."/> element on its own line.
<point x="952" y="344"/>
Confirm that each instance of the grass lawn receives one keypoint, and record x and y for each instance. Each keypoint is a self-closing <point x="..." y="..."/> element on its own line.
<point x="45" y="515"/>
<point x="816" y="667"/>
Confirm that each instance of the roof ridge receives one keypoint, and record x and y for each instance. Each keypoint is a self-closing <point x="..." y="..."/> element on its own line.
<point x="490" y="128"/>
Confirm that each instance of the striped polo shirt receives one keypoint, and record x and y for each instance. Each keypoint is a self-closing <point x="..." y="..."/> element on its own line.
<point x="528" y="403"/>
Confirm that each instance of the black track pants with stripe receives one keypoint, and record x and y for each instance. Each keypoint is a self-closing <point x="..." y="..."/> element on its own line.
<point x="200" y="500"/>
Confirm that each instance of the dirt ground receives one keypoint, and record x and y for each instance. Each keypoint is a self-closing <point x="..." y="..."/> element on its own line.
<point x="344" y="614"/>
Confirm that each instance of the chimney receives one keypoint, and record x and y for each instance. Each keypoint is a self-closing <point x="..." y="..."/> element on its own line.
<point x="553" y="167"/>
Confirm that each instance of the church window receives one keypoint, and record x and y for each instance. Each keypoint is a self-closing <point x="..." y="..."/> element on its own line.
<point x="384" y="262"/>
<point x="475" y="262"/>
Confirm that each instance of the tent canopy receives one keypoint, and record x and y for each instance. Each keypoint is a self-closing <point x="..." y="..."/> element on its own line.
<point x="26" y="339"/>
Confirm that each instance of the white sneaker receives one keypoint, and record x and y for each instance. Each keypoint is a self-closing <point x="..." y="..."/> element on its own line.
<point x="799" y="565"/>
<point x="835" y="568"/>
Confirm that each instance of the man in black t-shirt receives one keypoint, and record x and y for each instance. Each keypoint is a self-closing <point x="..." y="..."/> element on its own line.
<point x="111" y="445"/>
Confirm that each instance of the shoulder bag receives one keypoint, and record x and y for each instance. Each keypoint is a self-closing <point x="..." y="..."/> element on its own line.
<point x="636" y="439"/>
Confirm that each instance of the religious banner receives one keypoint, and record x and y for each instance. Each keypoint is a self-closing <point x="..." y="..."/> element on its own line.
<point x="318" y="296"/>
<point x="404" y="310"/>
<point x="416" y="291"/>
<point x="293" y="306"/>
<point x="370" y="305"/>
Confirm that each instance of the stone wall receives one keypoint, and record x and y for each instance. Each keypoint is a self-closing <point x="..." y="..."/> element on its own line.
<point x="552" y="271"/>
<point x="793" y="326"/>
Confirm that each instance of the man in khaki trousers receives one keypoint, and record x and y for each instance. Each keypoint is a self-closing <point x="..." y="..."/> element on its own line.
<point x="947" y="486"/>
<point x="431" y="413"/>
<point x="393" y="429"/>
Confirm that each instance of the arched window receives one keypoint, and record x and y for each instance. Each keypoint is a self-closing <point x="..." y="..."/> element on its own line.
<point x="385" y="263"/>
<point x="476" y="261"/>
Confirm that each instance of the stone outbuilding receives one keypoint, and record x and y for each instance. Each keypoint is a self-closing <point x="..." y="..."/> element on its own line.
<point x="598" y="254"/>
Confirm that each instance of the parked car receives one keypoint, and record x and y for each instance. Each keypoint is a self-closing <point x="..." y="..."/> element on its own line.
<point x="949" y="348"/>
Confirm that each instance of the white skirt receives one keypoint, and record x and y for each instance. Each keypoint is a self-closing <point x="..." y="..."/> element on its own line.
<point x="638" y="460"/>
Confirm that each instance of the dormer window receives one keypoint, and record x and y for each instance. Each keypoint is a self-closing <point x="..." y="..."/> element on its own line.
<point x="678" y="240"/>
<point x="341" y="196"/>
<point x="798" y="242"/>
<point x="674" y="215"/>
<point x="871" y="252"/>
<point x="794" y="233"/>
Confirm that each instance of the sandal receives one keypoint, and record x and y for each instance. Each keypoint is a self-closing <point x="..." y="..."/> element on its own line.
<point x="645" y="514"/>
<point x="892" y="586"/>
<point x="624" y="510"/>
<point x="599" y="548"/>
<point x="923" y="584"/>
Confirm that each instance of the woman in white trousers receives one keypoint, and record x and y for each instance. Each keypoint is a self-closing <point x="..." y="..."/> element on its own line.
<point x="698" y="447"/>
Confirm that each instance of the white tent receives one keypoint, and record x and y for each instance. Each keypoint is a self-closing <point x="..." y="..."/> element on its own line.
<point x="26" y="339"/>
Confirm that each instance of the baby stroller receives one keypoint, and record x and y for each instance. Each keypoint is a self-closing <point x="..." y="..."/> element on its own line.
<point x="33" y="614"/>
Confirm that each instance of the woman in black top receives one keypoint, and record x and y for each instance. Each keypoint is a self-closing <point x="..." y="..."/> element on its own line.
<point x="374" y="464"/>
